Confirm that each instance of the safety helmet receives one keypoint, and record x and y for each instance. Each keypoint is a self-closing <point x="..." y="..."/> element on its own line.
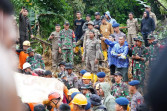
<point x="54" y="95"/>
<point x="26" y="65"/>
<point x="26" y="43"/>
<point x="87" y="75"/>
<point x="80" y="99"/>
<point x="72" y="90"/>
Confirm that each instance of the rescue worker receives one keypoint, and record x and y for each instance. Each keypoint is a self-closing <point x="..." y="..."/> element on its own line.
<point x="61" y="69"/>
<point x="54" y="37"/>
<point x="139" y="56"/>
<point x="27" y="69"/>
<point x="133" y="28"/>
<point x="96" y="103"/>
<point x="91" y="53"/>
<point x="109" y="19"/>
<point x="64" y="107"/>
<point x="106" y="29"/>
<point x="101" y="78"/>
<point x="86" y="79"/>
<point x="121" y="104"/>
<point x="97" y="21"/>
<point x="79" y="102"/>
<point x="119" y="88"/>
<point x="87" y="90"/>
<point x="67" y="43"/>
<point x="90" y="28"/>
<point x="47" y="74"/>
<point x="137" y="98"/>
<point x="103" y="90"/>
<point x="35" y="60"/>
<point x="55" y="100"/>
<point x="71" y="77"/>
<point x="22" y="54"/>
<point x="81" y="73"/>
<point x="72" y="97"/>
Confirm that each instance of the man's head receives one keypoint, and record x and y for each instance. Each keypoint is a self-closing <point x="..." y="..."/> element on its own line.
<point x="101" y="76"/>
<point x="118" y="77"/>
<point x="99" y="90"/>
<point x="30" y="52"/>
<point x="91" y="34"/>
<point x="39" y="107"/>
<point x="131" y="15"/>
<point x="86" y="78"/>
<point x="66" y="25"/>
<point x="121" y="40"/>
<point x="26" y="45"/>
<point x="139" y="41"/>
<point x="133" y="85"/>
<point x="62" y="66"/>
<point x="78" y="14"/>
<point x="57" y="27"/>
<point x="70" y="92"/>
<point x="116" y="27"/>
<point x="121" y="104"/>
<point x="151" y="38"/>
<point x="97" y="15"/>
<point x="112" y="37"/>
<point x="79" y="102"/>
<point x="95" y="100"/>
<point x="103" y="20"/>
<point x="48" y="74"/>
<point x="90" y="25"/>
<point x="64" y="107"/>
<point x="69" y="67"/>
<point x="107" y="15"/>
<point x="26" y="67"/>
<point x="148" y="8"/>
<point x="55" y="99"/>
<point x="25" y="12"/>
<point x="88" y="17"/>
<point x="85" y="89"/>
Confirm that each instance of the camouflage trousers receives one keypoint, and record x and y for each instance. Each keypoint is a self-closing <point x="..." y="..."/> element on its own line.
<point x="56" y="57"/>
<point x="67" y="55"/>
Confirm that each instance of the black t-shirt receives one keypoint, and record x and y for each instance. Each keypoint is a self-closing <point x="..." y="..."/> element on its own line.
<point x="78" y="30"/>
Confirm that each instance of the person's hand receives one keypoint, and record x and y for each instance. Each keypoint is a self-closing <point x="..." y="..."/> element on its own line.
<point x="51" y="37"/>
<point x="96" y="26"/>
<point x="102" y="38"/>
<point x="60" y="50"/>
<point x="83" y="59"/>
<point x="119" y="55"/>
<point x="96" y="61"/>
<point x="32" y="36"/>
<point x="74" y="50"/>
<point x="137" y="57"/>
<point x="22" y="10"/>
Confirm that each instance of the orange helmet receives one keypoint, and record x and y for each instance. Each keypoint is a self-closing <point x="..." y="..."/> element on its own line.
<point x="54" y="95"/>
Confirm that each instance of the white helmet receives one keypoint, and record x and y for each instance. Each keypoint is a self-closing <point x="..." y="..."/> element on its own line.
<point x="26" y="65"/>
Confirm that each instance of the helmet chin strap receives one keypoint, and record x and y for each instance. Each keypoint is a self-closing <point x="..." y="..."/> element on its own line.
<point x="55" y="103"/>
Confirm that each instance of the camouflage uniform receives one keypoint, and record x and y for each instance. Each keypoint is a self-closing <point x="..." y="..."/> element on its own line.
<point x="72" y="80"/>
<point x="153" y="16"/>
<point x="56" y="56"/>
<point x="136" y="100"/>
<point x="67" y="43"/>
<point x="86" y="35"/>
<point x="132" y="30"/>
<point x="91" y="52"/>
<point x="119" y="90"/>
<point x="139" y="65"/>
<point x="36" y="62"/>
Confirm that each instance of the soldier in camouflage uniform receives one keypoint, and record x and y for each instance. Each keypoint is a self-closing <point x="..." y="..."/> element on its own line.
<point x="86" y="35"/>
<point x="91" y="53"/>
<point x="71" y="77"/>
<point x="67" y="43"/>
<point x="153" y="49"/>
<point x="35" y="60"/>
<point x="54" y="37"/>
<point x="139" y="56"/>
<point x="119" y="88"/>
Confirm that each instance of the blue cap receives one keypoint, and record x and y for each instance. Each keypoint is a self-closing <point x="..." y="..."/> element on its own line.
<point x="88" y="106"/>
<point x="83" y="72"/>
<point x="74" y="94"/>
<point x="115" y="25"/>
<point x="134" y="82"/>
<point x="101" y="74"/>
<point x="122" y="101"/>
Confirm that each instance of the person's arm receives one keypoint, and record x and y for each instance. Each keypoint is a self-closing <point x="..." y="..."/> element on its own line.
<point x="124" y="54"/>
<point x="113" y="52"/>
<point x="112" y="30"/>
<point x="110" y="43"/>
<point x="73" y="40"/>
<point x="84" y="27"/>
<point x="152" y="25"/>
<point x="29" y="28"/>
<point x="84" y="39"/>
<point x="60" y="40"/>
<point x="137" y="26"/>
<point x="21" y="15"/>
<point x="155" y="19"/>
<point x="97" y="50"/>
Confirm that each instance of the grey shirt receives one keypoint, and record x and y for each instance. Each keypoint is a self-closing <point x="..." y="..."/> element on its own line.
<point x="117" y="35"/>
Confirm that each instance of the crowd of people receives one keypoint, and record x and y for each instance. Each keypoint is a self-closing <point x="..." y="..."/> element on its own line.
<point x="98" y="40"/>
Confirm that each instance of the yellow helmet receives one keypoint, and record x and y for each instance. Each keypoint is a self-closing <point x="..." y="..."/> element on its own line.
<point x="72" y="90"/>
<point x="26" y="43"/>
<point x="87" y="75"/>
<point x="79" y="99"/>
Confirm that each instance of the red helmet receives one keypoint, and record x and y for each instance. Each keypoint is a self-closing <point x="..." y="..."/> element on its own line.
<point x="54" y="95"/>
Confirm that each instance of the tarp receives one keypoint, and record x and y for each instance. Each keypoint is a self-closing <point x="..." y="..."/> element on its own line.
<point x="34" y="89"/>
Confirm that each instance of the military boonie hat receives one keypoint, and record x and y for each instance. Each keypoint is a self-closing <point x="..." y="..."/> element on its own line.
<point x="90" y="22"/>
<point x="151" y="36"/>
<point x="117" y="73"/>
<point x="139" y="38"/>
<point x="68" y="66"/>
<point x="66" y="23"/>
<point x="103" y="17"/>
<point x="29" y="50"/>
